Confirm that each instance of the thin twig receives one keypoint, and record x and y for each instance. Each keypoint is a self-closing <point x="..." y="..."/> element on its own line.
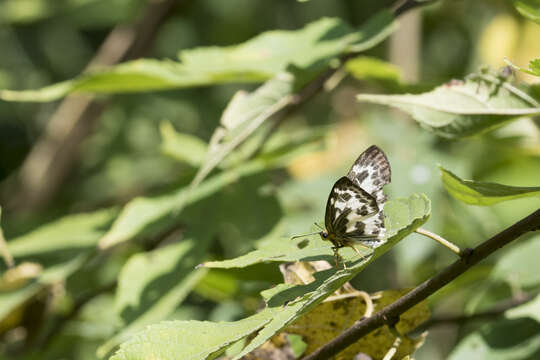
<point x="428" y="287"/>
<point x="291" y="103"/>
<point x="54" y="154"/>
<point x="449" y="245"/>
<point x="368" y="302"/>
<point x="357" y="293"/>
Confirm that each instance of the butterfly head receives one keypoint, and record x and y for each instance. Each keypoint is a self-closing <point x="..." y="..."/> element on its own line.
<point x="324" y="234"/>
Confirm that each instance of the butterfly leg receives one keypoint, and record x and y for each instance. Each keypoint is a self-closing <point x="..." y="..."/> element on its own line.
<point x="338" y="257"/>
<point x="362" y="257"/>
<point x="358" y="252"/>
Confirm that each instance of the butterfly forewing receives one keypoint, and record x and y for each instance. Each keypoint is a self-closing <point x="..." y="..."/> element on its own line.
<point x="347" y="206"/>
<point x="370" y="172"/>
<point x="354" y="211"/>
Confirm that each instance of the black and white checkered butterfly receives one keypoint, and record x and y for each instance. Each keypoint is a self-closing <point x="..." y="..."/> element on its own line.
<point x="354" y="210"/>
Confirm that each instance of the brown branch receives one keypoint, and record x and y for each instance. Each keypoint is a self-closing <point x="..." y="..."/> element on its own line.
<point x="55" y="153"/>
<point x="428" y="287"/>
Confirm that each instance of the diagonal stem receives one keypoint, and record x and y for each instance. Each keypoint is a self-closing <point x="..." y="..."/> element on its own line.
<point x="448" y="244"/>
<point x="428" y="287"/>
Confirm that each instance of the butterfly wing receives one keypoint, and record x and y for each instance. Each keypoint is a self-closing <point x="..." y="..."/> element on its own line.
<point x="369" y="231"/>
<point x="346" y="206"/>
<point x="370" y="172"/>
<point x="354" y="210"/>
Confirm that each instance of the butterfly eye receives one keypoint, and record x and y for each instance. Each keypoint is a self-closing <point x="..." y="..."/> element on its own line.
<point x="324" y="234"/>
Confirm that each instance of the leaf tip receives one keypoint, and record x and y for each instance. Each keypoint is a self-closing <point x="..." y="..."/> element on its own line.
<point x="441" y="168"/>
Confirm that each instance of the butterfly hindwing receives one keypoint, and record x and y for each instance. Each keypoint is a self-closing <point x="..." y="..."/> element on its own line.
<point x="370" y="231"/>
<point x="347" y="206"/>
<point x="370" y="172"/>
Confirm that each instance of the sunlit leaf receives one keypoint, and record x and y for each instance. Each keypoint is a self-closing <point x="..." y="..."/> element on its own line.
<point x="256" y="60"/>
<point x="285" y="302"/>
<point x="288" y="302"/>
<point x="189" y="340"/>
<point x="217" y="286"/>
<point x="146" y="215"/>
<point x="400" y="216"/>
<point x="151" y="286"/>
<point x="244" y="115"/>
<point x="483" y="193"/>
<point x="183" y="147"/>
<point x="371" y="68"/>
<point x="78" y="231"/>
<point x="463" y="108"/>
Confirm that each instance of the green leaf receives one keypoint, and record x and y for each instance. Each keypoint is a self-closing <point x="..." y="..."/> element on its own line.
<point x="182" y="147"/>
<point x="71" y="232"/>
<point x="483" y="193"/>
<point x="244" y="114"/>
<point x="370" y="68"/>
<point x="507" y="339"/>
<point x="534" y="67"/>
<point x="146" y="215"/>
<point x="149" y="215"/>
<point x="520" y="266"/>
<point x="529" y="8"/>
<point x="463" y="108"/>
<point x="218" y="286"/>
<point x="530" y="309"/>
<point x="285" y="302"/>
<point x="256" y="60"/>
<point x="401" y="215"/>
<point x="152" y="285"/>
<point x="188" y="340"/>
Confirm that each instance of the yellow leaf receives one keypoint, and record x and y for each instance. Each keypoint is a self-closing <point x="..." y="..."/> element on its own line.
<point x="331" y="318"/>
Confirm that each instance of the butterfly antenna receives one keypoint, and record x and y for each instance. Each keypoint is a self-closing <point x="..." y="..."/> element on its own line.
<point x="297" y="236"/>
<point x="319" y="226"/>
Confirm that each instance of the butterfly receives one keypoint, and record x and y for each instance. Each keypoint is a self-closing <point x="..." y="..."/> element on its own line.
<point x="354" y="209"/>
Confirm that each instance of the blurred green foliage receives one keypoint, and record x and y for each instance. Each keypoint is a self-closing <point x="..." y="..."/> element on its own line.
<point x="116" y="244"/>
